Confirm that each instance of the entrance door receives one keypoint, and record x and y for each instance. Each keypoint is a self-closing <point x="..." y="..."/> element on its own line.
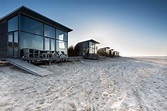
<point x="13" y="45"/>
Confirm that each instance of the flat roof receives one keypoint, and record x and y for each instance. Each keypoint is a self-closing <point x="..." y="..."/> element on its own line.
<point x="91" y="40"/>
<point x="105" y="48"/>
<point x="26" y="11"/>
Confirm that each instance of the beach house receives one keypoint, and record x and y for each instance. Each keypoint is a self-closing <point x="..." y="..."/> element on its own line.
<point x="86" y="48"/>
<point x="111" y="52"/>
<point x="27" y="34"/>
<point x="103" y="51"/>
<point x="115" y="54"/>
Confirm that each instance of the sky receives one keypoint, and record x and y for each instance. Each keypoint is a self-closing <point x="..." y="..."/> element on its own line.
<point x="132" y="27"/>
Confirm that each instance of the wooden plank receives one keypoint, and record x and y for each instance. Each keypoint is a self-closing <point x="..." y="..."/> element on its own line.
<point x="29" y="67"/>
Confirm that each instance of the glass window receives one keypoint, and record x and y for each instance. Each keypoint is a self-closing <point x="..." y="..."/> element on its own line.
<point x="61" y="46"/>
<point x="13" y="24"/>
<point x="85" y="44"/>
<point x="10" y="38"/>
<point x="15" y="37"/>
<point x="90" y="50"/>
<point x="52" y="45"/>
<point x="31" y="25"/>
<point x="61" y="35"/>
<point x="49" y="31"/>
<point x="47" y="44"/>
<point x="31" y="41"/>
<point x="91" y="44"/>
<point x="10" y="44"/>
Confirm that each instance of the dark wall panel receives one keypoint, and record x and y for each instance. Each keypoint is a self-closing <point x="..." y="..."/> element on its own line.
<point x="3" y="39"/>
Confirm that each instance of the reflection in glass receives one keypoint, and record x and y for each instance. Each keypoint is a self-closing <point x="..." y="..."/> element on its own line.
<point x="15" y="37"/>
<point x="31" y="41"/>
<point x="61" y="44"/>
<point x="49" y="31"/>
<point x="13" y="24"/>
<point x="31" y="25"/>
<point x="47" y="44"/>
<point x="52" y="44"/>
<point x="92" y="48"/>
<point x="10" y="45"/>
<point x="61" y="35"/>
<point x="10" y="38"/>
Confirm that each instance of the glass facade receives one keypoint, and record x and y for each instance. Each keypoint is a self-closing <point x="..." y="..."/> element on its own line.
<point x="13" y="24"/>
<point x="52" y="44"/>
<point x="10" y="45"/>
<point x="49" y="31"/>
<point x="92" y="48"/>
<point x="60" y="35"/>
<point x="35" y="35"/>
<point x="61" y="41"/>
<point x="31" y="41"/>
<point x="47" y="44"/>
<point x="30" y="25"/>
<point x="13" y="37"/>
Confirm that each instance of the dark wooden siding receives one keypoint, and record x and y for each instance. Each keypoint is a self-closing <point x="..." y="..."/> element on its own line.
<point x="3" y="39"/>
<point x="80" y="47"/>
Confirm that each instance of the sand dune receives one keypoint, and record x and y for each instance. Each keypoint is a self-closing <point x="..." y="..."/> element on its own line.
<point x="112" y="84"/>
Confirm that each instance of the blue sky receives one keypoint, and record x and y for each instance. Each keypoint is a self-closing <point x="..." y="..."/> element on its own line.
<point x="133" y="27"/>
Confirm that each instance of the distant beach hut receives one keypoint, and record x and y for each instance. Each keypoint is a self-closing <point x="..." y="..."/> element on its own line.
<point x="118" y="54"/>
<point x="115" y="54"/>
<point x="103" y="51"/>
<point x="87" y="49"/>
<point x="111" y="52"/>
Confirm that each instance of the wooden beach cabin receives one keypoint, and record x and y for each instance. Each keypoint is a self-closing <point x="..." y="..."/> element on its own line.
<point x="87" y="49"/>
<point x="103" y="51"/>
<point x="115" y="54"/>
<point x="29" y="35"/>
<point x="111" y="52"/>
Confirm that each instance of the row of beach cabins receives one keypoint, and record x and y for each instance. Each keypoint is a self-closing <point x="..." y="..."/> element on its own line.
<point x="88" y="50"/>
<point x="30" y="36"/>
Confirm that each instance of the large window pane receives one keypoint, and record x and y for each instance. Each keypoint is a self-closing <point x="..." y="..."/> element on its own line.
<point x="49" y="31"/>
<point x="52" y="44"/>
<point x="31" y="25"/>
<point x="10" y="38"/>
<point x="13" y="24"/>
<point x="85" y="44"/>
<point x="61" y="46"/>
<point x="15" y="37"/>
<point x="61" y="35"/>
<point x="10" y="45"/>
<point x="47" y="45"/>
<point x="31" y="41"/>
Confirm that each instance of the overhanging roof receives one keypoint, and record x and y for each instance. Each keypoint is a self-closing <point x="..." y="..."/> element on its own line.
<point x="91" y="40"/>
<point x="33" y="14"/>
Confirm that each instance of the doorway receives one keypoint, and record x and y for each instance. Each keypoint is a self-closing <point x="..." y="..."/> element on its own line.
<point x="13" y="45"/>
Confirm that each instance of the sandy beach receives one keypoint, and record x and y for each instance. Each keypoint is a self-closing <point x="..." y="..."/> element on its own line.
<point x="112" y="84"/>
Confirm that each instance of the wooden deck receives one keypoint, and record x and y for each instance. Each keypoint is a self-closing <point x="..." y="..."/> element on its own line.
<point x="35" y="70"/>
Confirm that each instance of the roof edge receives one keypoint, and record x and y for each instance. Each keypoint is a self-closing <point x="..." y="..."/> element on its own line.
<point x="21" y="7"/>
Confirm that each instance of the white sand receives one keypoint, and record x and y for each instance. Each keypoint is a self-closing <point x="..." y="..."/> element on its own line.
<point x="118" y="84"/>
